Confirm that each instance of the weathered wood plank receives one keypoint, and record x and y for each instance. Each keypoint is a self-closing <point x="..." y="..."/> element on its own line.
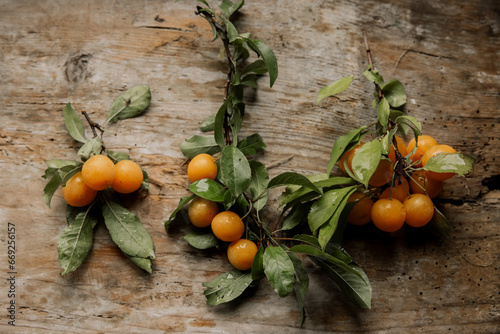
<point x="87" y="53"/>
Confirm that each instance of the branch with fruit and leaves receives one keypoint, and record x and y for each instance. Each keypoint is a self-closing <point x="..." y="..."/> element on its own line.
<point x="385" y="181"/>
<point x="90" y="186"/>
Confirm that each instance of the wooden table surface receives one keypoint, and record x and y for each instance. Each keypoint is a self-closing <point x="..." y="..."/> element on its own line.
<point x="446" y="53"/>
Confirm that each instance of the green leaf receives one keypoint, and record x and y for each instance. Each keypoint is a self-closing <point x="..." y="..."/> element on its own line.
<point x="451" y="163"/>
<point x="227" y="287"/>
<point x="127" y="231"/>
<point x="232" y="33"/>
<point x="325" y="207"/>
<point x="383" y="111"/>
<point x="250" y="81"/>
<point x="279" y="270"/>
<point x="59" y="178"/>
<point x="208" y="189"/>
<point x="258" y="184"/>
<point x="195" y="145"/>
<point x="258" y="265"/>
<point x="288" y="178"/>
<point x="143" y="263"/>
<point x="334" y="88"/>
<point x="258" y="66"/>
<point x="73" y="124"/>
<point x="219" y="124"/>
<point x="267" y="55"/>
<point x="91" y="148"/>
<point x="356" y="287"/>
<point x="411" y="122"/>
<point x="301" y="283"/>
<point x="327" y="230"/>
<point x="201" y="240"/>
<point x="251" y="145"/>
<point x="75" y="241"/>
<point x="372" y="74"/>
<point x="117" y="156"/>
<point x="208" y="124"/>
<point x="394" y="92"/>
<point x="440" y="225"/>
<point x="235" y="170"/>
<point x="182" y="202"/>
<point x="342" y="144"/>
<point x="366" y="160"/>
<point x="54" y="164"/>
<point x="297" y="215"/>
<point x="228" y="8"/>
<point x="145" y="180"/>
<point x="317" y="253"/>
<point x="309" y="239"/>
<point x="130" y="104"/>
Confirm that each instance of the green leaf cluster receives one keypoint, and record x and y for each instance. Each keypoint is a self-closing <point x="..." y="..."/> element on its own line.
<point x="126" y="230"/>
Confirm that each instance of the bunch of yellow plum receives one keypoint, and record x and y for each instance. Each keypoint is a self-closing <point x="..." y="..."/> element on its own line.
<point x="409" y="198"/>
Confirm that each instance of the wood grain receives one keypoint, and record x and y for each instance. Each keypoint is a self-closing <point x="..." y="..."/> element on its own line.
<point x="87" y="53"/>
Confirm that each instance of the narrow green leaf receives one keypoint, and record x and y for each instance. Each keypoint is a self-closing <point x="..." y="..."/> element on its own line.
<point x="309" y="239"/>
<point x="54" y="164"/>
<point x="451" y="163"/>
<point x="411" y="122"/>
<point x="356" y="287"/>
<point x="132" y="103"/>
<point x="127" y="231"/>
<point x="258" y="184"/>
<point x="366" y="160"/>
<point x="195" y="145"/>
<point x="252" y="144"/>
<point x="117" y="156"/>
<point x="301" y="283"/>
<point x="267" y="55"/>
<point x="258" y="66"/>
<point x="373" y="75"/>
<point x="383" y="111"/>
<point x="201" y="240"/>
<point x="342" y="144"/>
<point x="334" y="88"/>
<point x="250" y="81"/>
<point x="327" y="230"/>
<point x="279" y="270"/>
<point x="440" y="225"/>
<point x="232" y="33"/>
<point x="182" y="202"/>
<point x="325" y="207"/>
<point x="75" y="241"/>
<point x="258" y="265"/>
<point x="208" y="189"/>
<point x="219" y="124"/>
<point x="227" y="287"/>
<point x="145" y="180"/>
<point x="235" y="170"/>
<point x="73" y="124"/>
<point x="317" y="253"/>
<point x="59" y="179"/>
<point x="394" y="92"/>
<point x="208" y="124"/>
<point x="288" y="178"/>
<point x="296" y="216"/>
<point x="91" y="148"/>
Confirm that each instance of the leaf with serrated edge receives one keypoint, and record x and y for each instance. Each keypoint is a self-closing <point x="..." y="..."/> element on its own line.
<point x="279" y="270"/>
<point x="127" y="231"/>
<point x="75" y="241"/>
<point x="227" y="287"/>
<point x="195" y="145"/>
<point x="73" y="124"/>
<point x="366" y="160"/>
<point x="90" y="148"/>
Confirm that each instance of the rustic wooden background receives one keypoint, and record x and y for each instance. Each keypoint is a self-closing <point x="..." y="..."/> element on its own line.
<point x="52" y="52"/>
